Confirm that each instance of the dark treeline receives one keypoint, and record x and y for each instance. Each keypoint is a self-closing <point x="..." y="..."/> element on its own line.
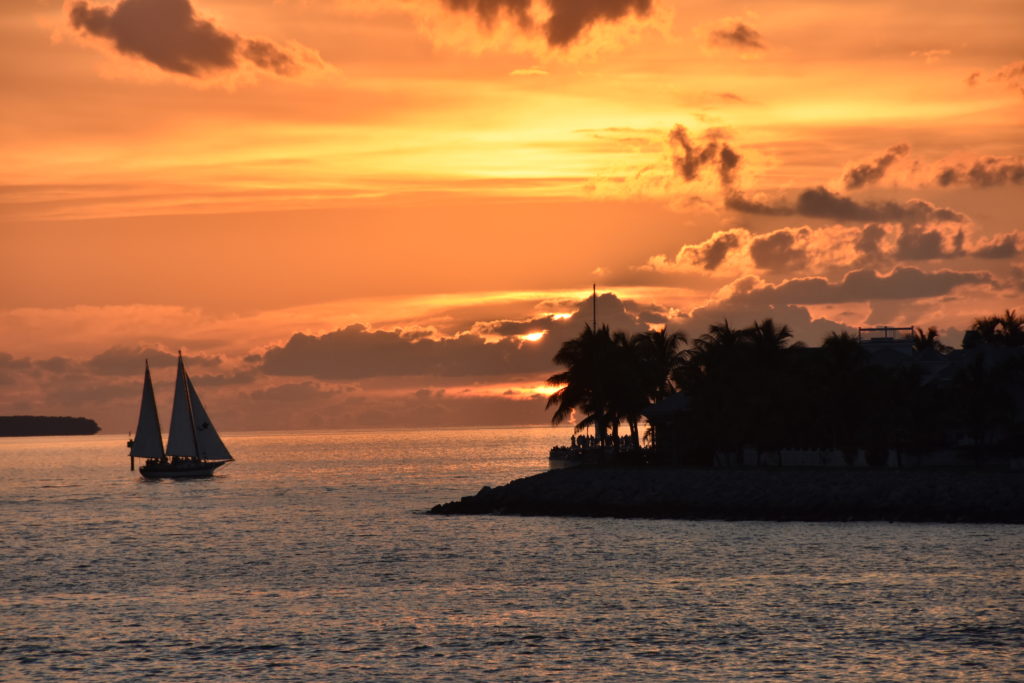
<point x="35" y="425"/>
<point x="752" y="387"/>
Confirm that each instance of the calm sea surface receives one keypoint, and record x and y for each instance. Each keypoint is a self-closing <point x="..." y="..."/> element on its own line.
<point x="310" y="559"/>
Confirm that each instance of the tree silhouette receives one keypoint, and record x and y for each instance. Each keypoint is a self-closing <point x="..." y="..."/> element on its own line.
<point x="659" y="358"/>
<point x="753" y="388"/>
<point x="924" y="341"/>
<point x="584" y="380"/>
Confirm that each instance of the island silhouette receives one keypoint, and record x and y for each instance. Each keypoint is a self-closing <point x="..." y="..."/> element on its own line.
<point x="38" y="425"/>
<point x="745" y="424"/>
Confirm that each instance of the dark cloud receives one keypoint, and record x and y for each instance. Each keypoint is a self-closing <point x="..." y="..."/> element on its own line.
<point x="488" y="10"/>
<point x="611" y="311"/>
<point x="692" y="157"/>
<point x="870" y="242"/>
<point x="288" y="393"/>
<point x="268" y="56"/>
<point x="57" y="364"/>
<point x="711" y="254"/>
<point x="356" y="352"/>
<point x="987" y="172"/>
<point x="1017" y="274"/>
<point x="1007" y="247"/>
<point x="804" y="327"/>
<point x="568" y="18"/>
<point x="737" y="202"/>
<point x="775" y="251"/>
<point x="863" y="285"/>
<point x="124" y="360"/>
<point x="740" y="35"/>
<point x="872" y="172"/>
<point x="9" y="362"/>
<point x="169" y="34"/>
<point x="919" y="244"/>
<point x="819" y="202"/>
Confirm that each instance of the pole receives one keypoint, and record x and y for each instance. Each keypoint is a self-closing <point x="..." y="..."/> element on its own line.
<point x="595" y="307"/>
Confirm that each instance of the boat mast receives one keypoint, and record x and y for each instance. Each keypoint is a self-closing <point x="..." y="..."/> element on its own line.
<point x="595" y="307"/>
<point x="188" y="401"/>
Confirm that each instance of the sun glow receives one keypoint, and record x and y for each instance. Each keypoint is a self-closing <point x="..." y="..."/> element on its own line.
<point x="533" y="336"/>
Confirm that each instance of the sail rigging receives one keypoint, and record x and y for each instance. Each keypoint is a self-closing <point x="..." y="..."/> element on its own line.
<point x="192" y="434"/>
<point x="148" y="443"/>
<point x="206" y="437"/>
<point x="181" y="440"/>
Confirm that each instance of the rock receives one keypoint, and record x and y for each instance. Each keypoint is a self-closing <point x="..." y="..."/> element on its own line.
<point x="808" y="494"/>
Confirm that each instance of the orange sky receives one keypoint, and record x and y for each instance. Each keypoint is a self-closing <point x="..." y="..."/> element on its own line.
<point x="413" y="186"/>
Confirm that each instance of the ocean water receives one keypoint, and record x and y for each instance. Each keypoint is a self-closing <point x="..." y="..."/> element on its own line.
<point x="311" y="559"/>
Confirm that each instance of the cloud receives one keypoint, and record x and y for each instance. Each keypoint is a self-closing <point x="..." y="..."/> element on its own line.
<point x="999" y="247"/>
<point x="567" y="20"/>
<point x="124" y="360"/>
<point x="738" y="35"/>
<point x="689" y="157"/>
<point x="802" y="324"/>
<point x="776" y="251"/>
<point x="931" y="56"/>
<point x="861" y="285"/>
<point x="1010" y="73"/>
<point x="356" y="352"/>
<point x="819" y="202"/>
<point x="168" y="34"/>
<point x="1017" y="274"/>
<point x="872" y="172"/>
<point x="831" y="249"/>
<point x="533" y="71"/>
<point x="987" y="172"/>
<point x="870" y="241"/>
<point x="918" y="244"/>
<point x="711" y="253"/>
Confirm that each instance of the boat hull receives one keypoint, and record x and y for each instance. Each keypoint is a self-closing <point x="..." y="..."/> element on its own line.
<point x="188" y="470"/>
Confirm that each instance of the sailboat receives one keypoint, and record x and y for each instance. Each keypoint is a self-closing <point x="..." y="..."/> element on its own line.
<point x="194" y="448"/>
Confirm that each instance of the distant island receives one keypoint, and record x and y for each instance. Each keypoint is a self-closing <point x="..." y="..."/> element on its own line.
<point x="36" y="425"/>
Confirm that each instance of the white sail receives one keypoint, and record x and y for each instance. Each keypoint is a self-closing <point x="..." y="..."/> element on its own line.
<point x="148" y="443"/>
<point x="210" y="445"/>
<point x="192" y="433"/>
<point x="181" y="440"/>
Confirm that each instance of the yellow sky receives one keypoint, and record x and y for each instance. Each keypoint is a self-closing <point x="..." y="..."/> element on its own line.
<point x="221" y="175"/>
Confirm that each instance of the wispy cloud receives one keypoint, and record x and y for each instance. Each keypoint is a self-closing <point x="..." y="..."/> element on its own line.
<point x="872" y="172"/>
<point x="738" y="35"/>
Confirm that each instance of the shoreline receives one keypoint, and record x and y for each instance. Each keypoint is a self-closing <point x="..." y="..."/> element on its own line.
<point x="818" y="495"/>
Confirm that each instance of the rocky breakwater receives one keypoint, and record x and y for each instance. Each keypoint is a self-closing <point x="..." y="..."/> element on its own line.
<point x="762" y="494"/>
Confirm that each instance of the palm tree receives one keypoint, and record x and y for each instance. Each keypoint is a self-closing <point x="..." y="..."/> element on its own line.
<point x="767" y="339"/>
<point x="659" y="359"/>
<point x="714" y="376"/>
<point x="928" y="340"/>
<point x="988" y="328"/>
<point x="581" y="380"/>
<point x="1012" y="328"/>
<point x="601" y="381"/>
